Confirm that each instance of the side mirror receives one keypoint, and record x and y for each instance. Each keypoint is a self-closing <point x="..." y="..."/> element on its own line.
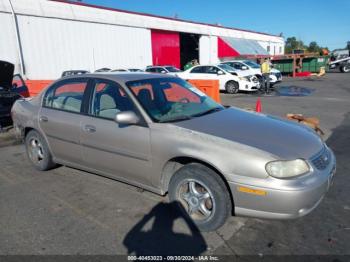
<point x="244" y="67"/>
<point x="220" y="73"/>
<point x="163" y="72"/>
<point x="127" y="118"/>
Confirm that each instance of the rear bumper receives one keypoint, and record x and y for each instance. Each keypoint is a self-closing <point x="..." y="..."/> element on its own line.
<point x="275" y="203"/>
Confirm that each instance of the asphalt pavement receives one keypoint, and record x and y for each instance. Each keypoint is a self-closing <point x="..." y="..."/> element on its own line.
<point x="67" y="212"/>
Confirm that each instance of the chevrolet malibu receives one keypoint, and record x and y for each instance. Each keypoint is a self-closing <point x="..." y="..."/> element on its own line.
<point x="159" y="133"/>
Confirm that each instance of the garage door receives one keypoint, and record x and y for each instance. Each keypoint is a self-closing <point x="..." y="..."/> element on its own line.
<point x="165" y="48"/>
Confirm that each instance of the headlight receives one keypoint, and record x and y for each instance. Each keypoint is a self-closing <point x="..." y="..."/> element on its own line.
<point x="286" y="169"/>
<point x="244" y="78"/>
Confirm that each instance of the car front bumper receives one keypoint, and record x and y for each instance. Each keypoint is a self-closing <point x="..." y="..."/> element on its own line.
<point x="248" y="86"/>
<point x="292" y="199"/>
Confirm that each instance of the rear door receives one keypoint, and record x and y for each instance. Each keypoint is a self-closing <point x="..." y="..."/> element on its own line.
<point x="121" y="151"/>
<point x="61" y="116"/>
<point x="197" y="72"/>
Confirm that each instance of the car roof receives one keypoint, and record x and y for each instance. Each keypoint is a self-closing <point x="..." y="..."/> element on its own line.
<point x="204" y="65"/>
<point x="230" y="61"/>
<point x="121" y="76"/>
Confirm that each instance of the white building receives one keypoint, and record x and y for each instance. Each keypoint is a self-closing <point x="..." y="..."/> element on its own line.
<point x="43" y="38"/>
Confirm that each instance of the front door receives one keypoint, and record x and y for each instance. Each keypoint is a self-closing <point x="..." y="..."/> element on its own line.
<point x="60" y="118"/>
<point x="119" y="151"/>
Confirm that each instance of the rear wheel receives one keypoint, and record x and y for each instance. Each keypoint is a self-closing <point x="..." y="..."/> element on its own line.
<point x="232" y="87"/>
<point x="202" y="194"/>
<point x="38" y="152"/>
<point x="345" y="68"/>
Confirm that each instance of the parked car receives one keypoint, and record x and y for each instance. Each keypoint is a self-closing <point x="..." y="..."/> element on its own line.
<point x="243" y="74"/>
<point x="171" y="70"/>
<point x="127" y="70"/>
<point x="102" y="70"/>
<point x="228" y="79"/>
<point x="73" y="72"/>
<point x="254" y="69"/>
<point x="160" y="133"/>
<point x="12" y="87"/>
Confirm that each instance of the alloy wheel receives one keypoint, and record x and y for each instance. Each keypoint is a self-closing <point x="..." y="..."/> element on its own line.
<point x="197" y="199"/>
<point x="36" y="152"/>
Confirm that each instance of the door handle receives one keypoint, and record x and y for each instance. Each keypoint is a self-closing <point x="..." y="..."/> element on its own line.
<point x="89" y="129"/>
<point x="43" y="119"/>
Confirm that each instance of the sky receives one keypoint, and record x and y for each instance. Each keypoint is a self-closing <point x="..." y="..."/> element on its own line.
<point x="325" y="21"/>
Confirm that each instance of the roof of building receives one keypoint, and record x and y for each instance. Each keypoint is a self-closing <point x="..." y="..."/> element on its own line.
<point x="159" y="16"/>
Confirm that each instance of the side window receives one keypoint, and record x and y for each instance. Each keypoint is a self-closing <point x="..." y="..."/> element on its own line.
<point x="237" y="65"/>
<point x="109" y="99"/>
<point x="159" y="69"/>
<point x="151" y="70"/>
<point x="67" y="96"/>
<point x="197" y="70"/>
<point x="211" y="69"/>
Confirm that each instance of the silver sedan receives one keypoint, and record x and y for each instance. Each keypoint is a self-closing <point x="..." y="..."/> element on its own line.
<point x="160" y="133"/>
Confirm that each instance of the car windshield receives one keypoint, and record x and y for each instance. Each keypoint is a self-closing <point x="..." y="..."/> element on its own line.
<point x="226" y="67"/>
<point x="172" y="69"/>
<point x="172" y="99"/>
<point x="251" y="64"/>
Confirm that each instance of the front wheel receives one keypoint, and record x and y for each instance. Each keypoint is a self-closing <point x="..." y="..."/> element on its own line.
<point x="232" y="87"/>
<point x="203" y="194"/>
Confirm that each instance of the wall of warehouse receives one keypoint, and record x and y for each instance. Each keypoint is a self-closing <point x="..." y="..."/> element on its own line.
<point x="8" y="44"/>
<point x="273" y="48"/>
<point x="51" y="46"/>
<point x="208" y="50"/>
<point x="58" y="36"/>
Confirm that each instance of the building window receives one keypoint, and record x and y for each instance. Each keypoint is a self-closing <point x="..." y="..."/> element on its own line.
<point x="268" y="49"/>
<point x="280" y="50"/>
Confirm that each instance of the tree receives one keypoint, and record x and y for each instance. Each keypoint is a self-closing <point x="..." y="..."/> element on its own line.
<point x="292" y="43"/>
<point x="314" y="47"/>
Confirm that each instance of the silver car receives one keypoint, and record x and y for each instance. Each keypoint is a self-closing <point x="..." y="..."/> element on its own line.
<point x="158" y="132"/>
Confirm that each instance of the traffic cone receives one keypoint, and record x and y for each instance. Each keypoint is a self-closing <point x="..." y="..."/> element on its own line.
<point x="258" y="106"/>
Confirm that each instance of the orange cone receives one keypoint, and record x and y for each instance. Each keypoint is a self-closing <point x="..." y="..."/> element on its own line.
<point x="258" y="106"/>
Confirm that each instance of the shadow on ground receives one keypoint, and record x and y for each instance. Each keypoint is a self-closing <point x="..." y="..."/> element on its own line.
<point x="161" y="239"/>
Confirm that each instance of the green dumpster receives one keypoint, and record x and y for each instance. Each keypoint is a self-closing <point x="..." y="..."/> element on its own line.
<point x="309" y="64"/>
<point x="313" y="64"/>
<point x="283" y="65"/>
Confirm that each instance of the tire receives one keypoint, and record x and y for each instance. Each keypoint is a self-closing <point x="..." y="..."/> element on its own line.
<point x="232" y="87"/>
<point x="345" y="69"/>
<point x="38" y="152"/>
<point x="202" y="194"/>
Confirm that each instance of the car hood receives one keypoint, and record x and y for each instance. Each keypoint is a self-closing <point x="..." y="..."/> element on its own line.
<point x="6" y="74"/>
<point x="284" y="139"/>
<point x="273" y="70"/>
<point x="242" y="73"/>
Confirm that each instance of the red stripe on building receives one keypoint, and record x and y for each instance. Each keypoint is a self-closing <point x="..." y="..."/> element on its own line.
<point x="224" y="50"/>
<point x="165" y="48"/>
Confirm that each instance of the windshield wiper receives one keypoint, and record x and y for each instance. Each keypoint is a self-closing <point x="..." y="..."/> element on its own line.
<point x="215" y="109"/>
<point x="175" y="119"/>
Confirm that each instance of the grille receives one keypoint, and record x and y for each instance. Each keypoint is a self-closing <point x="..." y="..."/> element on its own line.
<point x="278" y="75"/>
<point x="322" y="160"/>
